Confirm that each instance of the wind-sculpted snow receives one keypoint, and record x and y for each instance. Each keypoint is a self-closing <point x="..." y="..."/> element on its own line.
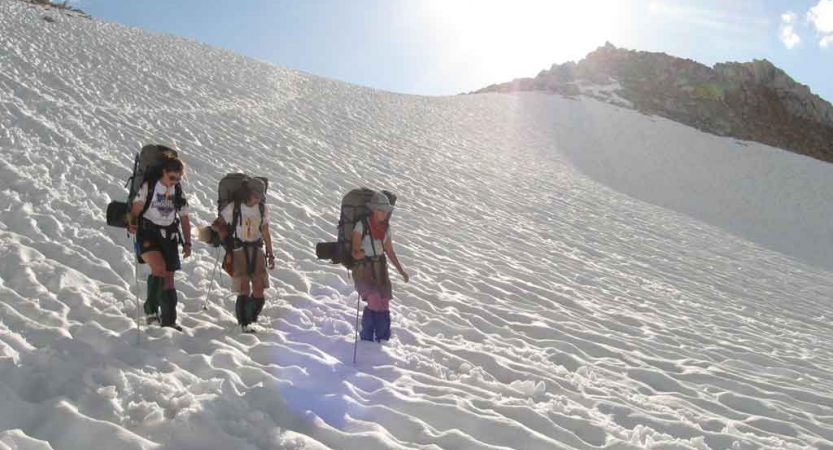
<point x="545" y="309"/>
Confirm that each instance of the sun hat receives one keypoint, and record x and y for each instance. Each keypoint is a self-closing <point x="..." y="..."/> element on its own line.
<point x="380" y="202"/>
<point x="257" y="187"/>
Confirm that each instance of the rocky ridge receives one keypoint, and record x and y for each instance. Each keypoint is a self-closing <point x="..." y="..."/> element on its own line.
<point x="753" y="101"/>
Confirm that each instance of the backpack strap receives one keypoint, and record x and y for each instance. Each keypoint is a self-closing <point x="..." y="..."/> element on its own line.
<point x="235" y="218"/>
<point x="131" y="193"/>
<point x="149" y="198"/>
<point x="365" y="232"/>
<point x="179" y="202"/>
<point x="179" y="198"/>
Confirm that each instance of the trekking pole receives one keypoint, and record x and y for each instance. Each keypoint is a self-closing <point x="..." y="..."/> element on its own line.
<point x="138" y="307"/>
<point x="356" y="339"/>
<point x="211" y="283"/>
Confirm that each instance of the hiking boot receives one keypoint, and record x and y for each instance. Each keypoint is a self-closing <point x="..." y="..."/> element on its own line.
<point x="248" y="329"/>
<point x="151" y="319"/>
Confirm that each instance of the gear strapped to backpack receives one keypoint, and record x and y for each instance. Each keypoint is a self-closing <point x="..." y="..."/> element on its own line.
<point x="147" y="168"/>
<point x="235" y="188"/>
<point x="354" y="209"/>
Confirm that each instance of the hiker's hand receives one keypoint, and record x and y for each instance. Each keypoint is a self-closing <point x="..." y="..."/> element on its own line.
<point x="186" y="250"/>
<point x="358" y="254"/>
<point x="405" y="276"/>
<point x="132" y="227"/>
<point x="271" y="259"/>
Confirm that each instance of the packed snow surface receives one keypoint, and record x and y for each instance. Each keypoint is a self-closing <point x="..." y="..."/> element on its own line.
<point x="583" y="276"/>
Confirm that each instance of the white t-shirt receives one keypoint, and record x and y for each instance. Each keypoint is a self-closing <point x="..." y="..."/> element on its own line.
<point x="161" y="209"/>
<point x="248" y="230"/>
<point x="376" y="244"/>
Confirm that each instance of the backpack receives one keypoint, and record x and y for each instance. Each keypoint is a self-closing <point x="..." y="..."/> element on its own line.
<point x="354" y="208"/>
<point x="234" y="187"/>
<point x="147" y="168"/>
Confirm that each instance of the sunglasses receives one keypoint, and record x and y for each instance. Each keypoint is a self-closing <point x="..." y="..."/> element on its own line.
<point x="174" y="178"/>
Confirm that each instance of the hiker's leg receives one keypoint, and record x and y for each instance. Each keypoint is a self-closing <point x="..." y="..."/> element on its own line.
<point x="241" y="305"/>
<point x="242" y="281"/>
<point x="368" y="321"/>
<point x="242" y="310"/>
<point x="382" y="325"/>
<point x="242" y="285"/>
<point x="156" y="263"/>
<point x="258" y="286"/>
<point x="151" y="305"/>
<point x="258" y="300"/>
<point x="167" y="317"/>
<point x="156" y="280"/>
<point x="375" y="302"/>
<point x="168" y="300"/>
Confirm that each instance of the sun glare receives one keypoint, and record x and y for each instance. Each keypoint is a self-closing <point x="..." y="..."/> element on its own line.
<point x="518" y="38"/>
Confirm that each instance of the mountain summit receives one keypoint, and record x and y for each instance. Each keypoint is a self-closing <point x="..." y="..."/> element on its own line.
<point x="754" y="101"/>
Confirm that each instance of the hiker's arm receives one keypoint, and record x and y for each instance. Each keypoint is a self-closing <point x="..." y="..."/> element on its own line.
<point x="186" y="235"/>
<point x="358" y="253"/>
<point x="219" y="224"/>
<point x="267" y="239"/>
<point x="221" y="227"/>
<point x="134" y="215"/>
<point x="392" y="255"/>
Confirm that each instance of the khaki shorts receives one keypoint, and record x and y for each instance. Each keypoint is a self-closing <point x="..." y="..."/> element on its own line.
<point x="241" y="267"/>
<point x="373" y="283"/>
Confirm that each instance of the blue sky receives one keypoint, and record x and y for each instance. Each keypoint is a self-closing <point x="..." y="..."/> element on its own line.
<point x="444" y="47"/>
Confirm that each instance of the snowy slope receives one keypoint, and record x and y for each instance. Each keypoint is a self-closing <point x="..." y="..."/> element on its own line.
<point x="559" y="298"/>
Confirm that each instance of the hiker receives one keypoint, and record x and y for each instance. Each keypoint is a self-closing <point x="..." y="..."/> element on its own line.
<point x="153" y="217"/>
<point x="246" y="222"/>
<point x="370" y="250"/>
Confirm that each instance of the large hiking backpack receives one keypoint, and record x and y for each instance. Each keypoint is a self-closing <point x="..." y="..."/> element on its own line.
<point x="354" y="208"/>
<point x="235" y="188"/>
<point x="231" y="189"/>
<point x="147" y="167"/>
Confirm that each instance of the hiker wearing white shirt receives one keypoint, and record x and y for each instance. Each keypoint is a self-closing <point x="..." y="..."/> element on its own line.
<point x="158" y="210"/>
<point x="248" y="226"/>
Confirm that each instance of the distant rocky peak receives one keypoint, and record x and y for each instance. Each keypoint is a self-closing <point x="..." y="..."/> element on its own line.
<point x="753" y="100"/>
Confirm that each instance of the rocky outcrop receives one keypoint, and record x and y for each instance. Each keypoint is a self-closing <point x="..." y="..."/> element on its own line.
<point x="753" y="101"/>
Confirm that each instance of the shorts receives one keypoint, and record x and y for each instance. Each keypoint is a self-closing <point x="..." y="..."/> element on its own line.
<point x="372" y="282"/>
<point x="241" y="258"/>
<point x="150" y="239"/>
